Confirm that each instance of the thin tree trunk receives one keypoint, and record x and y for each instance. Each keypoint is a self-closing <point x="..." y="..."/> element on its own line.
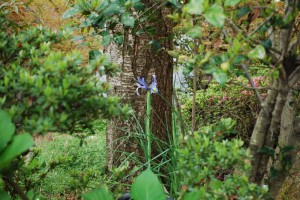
<point x="274" y="129"/>
<point x="286" y="131"/>
<point x="261" y="127"/>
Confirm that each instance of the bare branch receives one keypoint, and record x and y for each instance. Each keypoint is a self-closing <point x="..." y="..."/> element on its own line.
<point x="251" y="83"/>
<point x="294" y="77"/>
<point x="261" y="25"/>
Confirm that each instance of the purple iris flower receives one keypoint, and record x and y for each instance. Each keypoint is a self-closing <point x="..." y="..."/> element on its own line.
<point x="141" y="83"/>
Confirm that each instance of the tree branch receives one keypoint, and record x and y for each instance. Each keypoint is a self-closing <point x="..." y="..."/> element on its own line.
<point x="294" y="77"/>
<point x="16" y="187"/>
<point x="252" y="83"/>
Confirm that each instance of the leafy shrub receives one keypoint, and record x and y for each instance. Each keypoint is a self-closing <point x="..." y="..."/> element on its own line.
<point x="45" y="90"/>
<point x="212" y="167"/>
<point x="231" y="101"/>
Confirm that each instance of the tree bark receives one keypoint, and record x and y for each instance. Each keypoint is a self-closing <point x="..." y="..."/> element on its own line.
<point x="138" y="58"/>
<point x="286" y="131"/>
<point x="274" y="128"/>
<point x="261" y="127"/>
<point x="269" y="123"/>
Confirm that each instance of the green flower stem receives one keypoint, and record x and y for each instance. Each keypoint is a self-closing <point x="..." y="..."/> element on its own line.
<point x="147" y="128"/>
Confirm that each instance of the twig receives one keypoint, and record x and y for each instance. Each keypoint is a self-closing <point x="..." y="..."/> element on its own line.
<point x="250" y="87"/>
<point x="251" y="83"/>
<point x="261" y="25"/>
<point x="194" y="99"/>
<point x="16" y="187"/>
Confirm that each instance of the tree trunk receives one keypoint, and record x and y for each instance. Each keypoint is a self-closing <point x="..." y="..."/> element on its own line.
<point x="275" y="122"/>
<point x="138" y="57"/>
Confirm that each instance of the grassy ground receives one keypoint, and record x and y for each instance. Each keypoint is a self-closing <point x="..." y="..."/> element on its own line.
<point x="81" y="166"/>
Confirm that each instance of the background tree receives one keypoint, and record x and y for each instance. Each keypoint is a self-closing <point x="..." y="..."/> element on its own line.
<point x="137" y="36"/>
<point x="242" y="37"/>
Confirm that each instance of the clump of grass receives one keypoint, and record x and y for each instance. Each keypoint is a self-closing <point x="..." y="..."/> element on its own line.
<point x="80" y="168"/>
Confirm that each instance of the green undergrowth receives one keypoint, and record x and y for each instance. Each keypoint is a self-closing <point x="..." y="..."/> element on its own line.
<point x="215" y="103"/>
<point x="81" y="164"/>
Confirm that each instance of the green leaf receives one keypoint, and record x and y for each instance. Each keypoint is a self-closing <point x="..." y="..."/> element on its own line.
<point x="147" y="187"/>
<point x="215" y="184"/>
<point x="215" y="15"/>
<point x="30" y="194"/>
<point x="267" y="151"/>
<point x="76" y="38"/>
<point x="231" y="2"/>
<point x="93" y="54"/>
<point x="196" y="7"/>
<point x="175" y="3"/>
<point x="98" y="194"/>
<point x="287" y="149"/>
<point x="7" y="129"/>
<point x="267" y="44"/>
<point x="106" y="38"/>
<point x="258" y="52"/>
<point x="220" y="77"/>
<point x="4" y="195"/>
<point x="19" y="144"/>
<point x="195" y="195"/>
<point x="118" y="38"/>
<point x="194" y="32"/>
<point x="127" y="20"/>
<point x="243" y="11"/>
<point x="239" y="59"/>
<point x="113" y="9"/>
<point x="155" y="45"/>
<point x="71" y="12"/>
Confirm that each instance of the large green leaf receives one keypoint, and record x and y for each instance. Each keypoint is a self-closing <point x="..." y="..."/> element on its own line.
<point x="231" y="2"/>
<point x="71" y="12"/>
<point x="19" y="144"/>
<point x="196" y="7"/>
<point x="258" y="52"/>
<point x="127" y="20"/>
<point x="7" y="129"/>
<point x="4" y="195"/>
<point x="215" y="15"/>
<point x="243" y="11"/>
<point x="99" y="194"/>
<point x="113" y="9"/>
<point x="147" y="187"/>
<point x="220" y="77"/>
<point x="195" y="32"/>
<point x="93" y="54"/>
<point x="106" y="38"/>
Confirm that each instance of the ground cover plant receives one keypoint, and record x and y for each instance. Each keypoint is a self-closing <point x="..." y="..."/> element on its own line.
<point x="232" y="135"/>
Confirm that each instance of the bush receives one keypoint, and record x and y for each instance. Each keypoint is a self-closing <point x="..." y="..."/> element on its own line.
<point x="212" y="167"/>
<point x="45" y="90"/>
<point x="231" y="101"/>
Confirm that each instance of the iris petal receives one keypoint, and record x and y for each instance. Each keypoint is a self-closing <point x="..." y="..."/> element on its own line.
<point x="142" y="84"/>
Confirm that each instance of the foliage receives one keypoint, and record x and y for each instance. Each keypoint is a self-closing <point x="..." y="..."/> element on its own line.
<point x="11" y="146"/>
<point x="104" y="16"/>
<point x="45" y="90"/>
<point x="146" y="187"/>
<point x="62" y="166"/>
<point x="215" y="168"/>
<point x="229" y="101"/>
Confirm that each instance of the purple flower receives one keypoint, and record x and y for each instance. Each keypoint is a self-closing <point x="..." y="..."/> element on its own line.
<point x="143" y="85"/>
